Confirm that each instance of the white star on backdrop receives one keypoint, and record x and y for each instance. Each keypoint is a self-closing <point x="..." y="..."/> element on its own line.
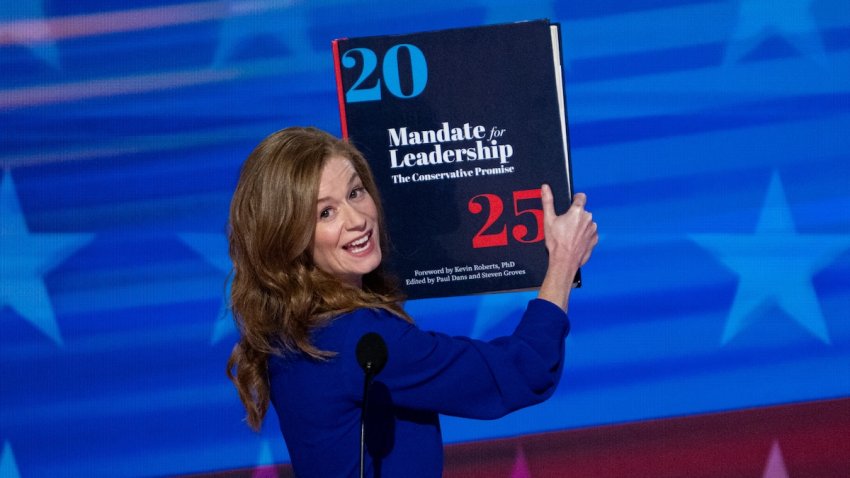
<point x="775" y="467"/>
<point x="25" y="258"/>
<point x="775" y="266"/>
<point x="214" y="249"/>
<point x="521" y="469"/>
<point x="758" y="20"/>
<point x="37" y="36"/>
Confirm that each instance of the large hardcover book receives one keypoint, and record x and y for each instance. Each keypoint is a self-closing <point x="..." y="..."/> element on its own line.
<point x="461" y="127"/>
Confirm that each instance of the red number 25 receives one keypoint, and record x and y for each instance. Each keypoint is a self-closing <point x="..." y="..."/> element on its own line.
<point x="520" y="233"/>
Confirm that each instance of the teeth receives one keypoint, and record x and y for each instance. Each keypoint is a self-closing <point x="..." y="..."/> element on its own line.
<point x="359" y="245"/>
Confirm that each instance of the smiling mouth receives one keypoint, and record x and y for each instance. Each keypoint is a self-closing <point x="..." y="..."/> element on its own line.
<point x="359" y="245"/>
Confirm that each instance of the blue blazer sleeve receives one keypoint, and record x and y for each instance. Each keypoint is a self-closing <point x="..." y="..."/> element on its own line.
<point x="460" y="376"/>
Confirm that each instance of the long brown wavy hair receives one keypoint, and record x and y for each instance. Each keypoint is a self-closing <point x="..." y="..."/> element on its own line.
<point x="278" y="295"/>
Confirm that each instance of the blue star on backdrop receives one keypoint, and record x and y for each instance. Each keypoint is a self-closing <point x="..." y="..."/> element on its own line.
<point x="759" y="20"/>
<point x="214" y="249"/>
<point x="36" y="38"/>
<point x="275" y="28"/>
<point x="775" y="266"/>
<point x="8" y="467"/>
<point x="24" y="260"/>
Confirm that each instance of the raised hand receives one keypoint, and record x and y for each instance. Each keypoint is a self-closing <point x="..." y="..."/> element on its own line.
<point x="570" y="239"/>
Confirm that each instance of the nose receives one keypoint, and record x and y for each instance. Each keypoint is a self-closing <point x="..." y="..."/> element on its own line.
<point x="354" y="218"/>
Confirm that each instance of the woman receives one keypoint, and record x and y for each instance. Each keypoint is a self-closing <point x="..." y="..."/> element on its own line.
<point x="307" y="239"/>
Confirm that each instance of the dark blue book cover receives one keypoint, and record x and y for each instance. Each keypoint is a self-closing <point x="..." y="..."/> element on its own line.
<point x="461" y="127"/>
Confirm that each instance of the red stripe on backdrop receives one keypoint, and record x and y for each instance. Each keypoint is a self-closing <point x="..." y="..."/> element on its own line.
<point x="812" y="439"/>
<point x="343" y="121"/>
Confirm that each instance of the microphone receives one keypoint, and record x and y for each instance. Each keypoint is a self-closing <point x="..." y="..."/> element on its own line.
<point x="371" y="353"/>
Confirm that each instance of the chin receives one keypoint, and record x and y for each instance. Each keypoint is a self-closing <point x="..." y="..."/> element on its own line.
<point x="371" y="268"/>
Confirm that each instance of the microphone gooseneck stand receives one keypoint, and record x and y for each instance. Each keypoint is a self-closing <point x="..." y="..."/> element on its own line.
<point x="367" y="380"/>
<point x="372" y="356"/>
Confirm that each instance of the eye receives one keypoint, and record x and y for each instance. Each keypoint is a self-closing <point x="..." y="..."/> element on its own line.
<point x="357" y="192"/>
<point x="326" y="213"/>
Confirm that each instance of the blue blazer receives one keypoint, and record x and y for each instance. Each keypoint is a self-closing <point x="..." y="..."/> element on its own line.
<point x="427" y="374"/>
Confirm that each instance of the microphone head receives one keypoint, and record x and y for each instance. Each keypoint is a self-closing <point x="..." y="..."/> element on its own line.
<point x="371" y="353"/>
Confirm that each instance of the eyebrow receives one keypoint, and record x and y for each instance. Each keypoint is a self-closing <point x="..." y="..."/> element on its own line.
<point x="353" y="179"/>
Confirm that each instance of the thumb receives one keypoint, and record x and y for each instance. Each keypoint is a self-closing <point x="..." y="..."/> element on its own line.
<point x="548" y="203"/>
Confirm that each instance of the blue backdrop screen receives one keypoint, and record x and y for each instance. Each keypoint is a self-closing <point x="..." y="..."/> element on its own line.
<point x="710" y="136"/>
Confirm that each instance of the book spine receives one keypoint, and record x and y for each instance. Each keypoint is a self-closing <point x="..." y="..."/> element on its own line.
<point x="339" y="90"/>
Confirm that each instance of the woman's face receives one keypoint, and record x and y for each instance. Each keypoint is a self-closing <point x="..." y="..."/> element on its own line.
<point x="346" y="242"/>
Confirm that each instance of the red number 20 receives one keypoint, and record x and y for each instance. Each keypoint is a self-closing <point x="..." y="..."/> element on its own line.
<point x="496" y="207"/>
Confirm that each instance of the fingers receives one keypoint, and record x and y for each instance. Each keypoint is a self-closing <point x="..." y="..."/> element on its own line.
<point x="594" y="240"/>
<point x="570" y="237"/>
<point x="579" y="200"/>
